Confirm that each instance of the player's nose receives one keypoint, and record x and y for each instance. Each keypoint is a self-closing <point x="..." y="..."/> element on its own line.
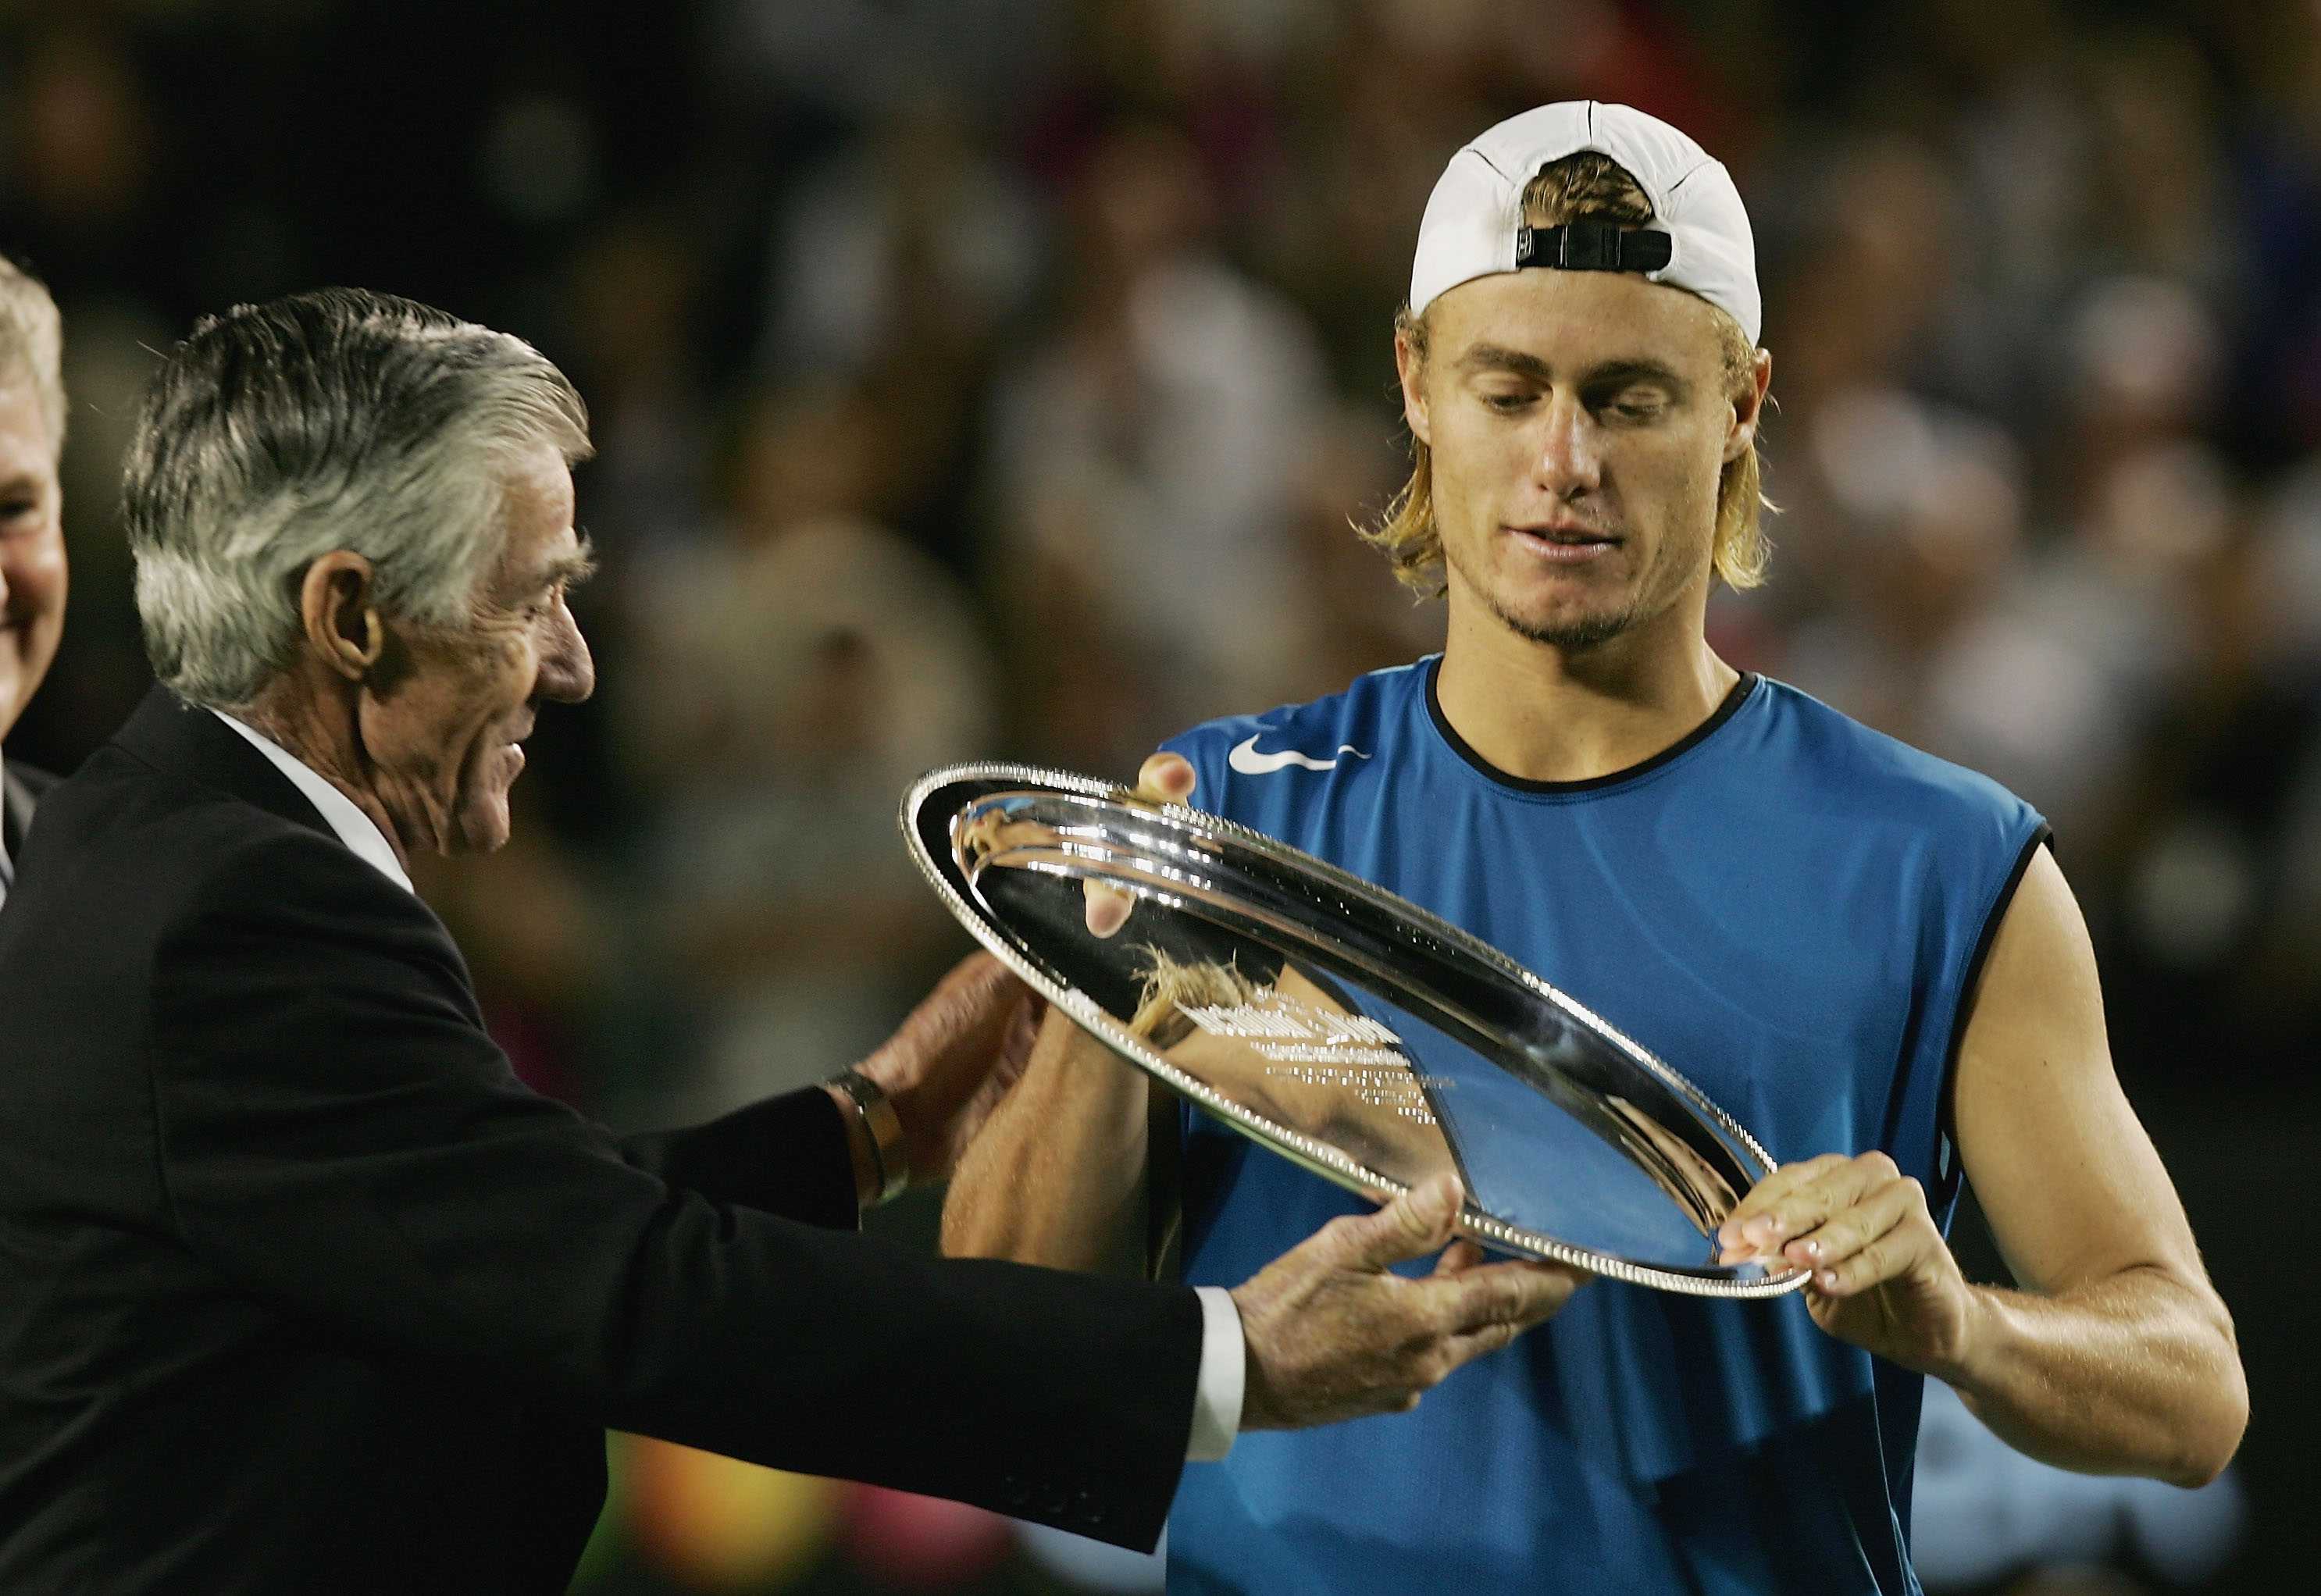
<point x="1569" y="459"/>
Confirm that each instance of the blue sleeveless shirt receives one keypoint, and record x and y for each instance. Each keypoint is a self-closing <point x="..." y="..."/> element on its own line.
<point x="1791" y="909"/>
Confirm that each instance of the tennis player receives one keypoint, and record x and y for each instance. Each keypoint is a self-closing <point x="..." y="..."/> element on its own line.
<point x="1870" y="956"/>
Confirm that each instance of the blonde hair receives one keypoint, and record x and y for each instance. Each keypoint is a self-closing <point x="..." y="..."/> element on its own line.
<point x="1592" y="186"/>
<point x="1170" y="987"/>
<point x="32" y="341"/>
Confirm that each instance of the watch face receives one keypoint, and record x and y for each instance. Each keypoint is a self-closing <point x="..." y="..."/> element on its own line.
<point x="1340" y="1026"/>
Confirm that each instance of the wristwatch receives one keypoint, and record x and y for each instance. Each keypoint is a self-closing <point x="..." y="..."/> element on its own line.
<point x="890" y="1158"/>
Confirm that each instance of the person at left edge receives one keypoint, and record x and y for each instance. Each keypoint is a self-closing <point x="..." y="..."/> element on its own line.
<point x="300" y="1290"/>
<point x="32" y="531"/>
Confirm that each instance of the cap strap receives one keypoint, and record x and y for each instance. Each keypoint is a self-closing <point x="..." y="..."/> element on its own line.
<point x="1593" y="246"/>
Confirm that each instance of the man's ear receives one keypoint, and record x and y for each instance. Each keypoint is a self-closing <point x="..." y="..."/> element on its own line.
<point x="1749" y="406"/>
<point x="1410" y="366"/>
<point x="339" y="615"/>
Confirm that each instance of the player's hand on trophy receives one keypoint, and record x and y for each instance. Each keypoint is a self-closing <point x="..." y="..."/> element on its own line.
<point x="953" y="1059"/>
<point x="1333" y="1334"/>
<point x="1883" y="1278"/>
<point x="1164" y="778"/>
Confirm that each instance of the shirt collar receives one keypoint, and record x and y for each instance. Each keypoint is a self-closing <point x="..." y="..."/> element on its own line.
<point x="7" y="865"/>
<point x="357" y="829"/>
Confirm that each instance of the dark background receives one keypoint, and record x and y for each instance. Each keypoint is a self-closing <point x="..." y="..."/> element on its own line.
<point x="996" y="378"/>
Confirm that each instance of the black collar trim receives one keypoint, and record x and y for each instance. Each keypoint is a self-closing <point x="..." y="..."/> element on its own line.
<point x="1725" y="710"/>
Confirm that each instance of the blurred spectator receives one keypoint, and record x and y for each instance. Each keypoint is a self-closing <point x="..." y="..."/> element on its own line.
<point x="915" y="247"/>
<point x="629" y="301"/>
<point x="789" y="681"/>
<point x="856" y="60"/>
<point x="1985" y="1512"/>
<point x="1142" y="462"/>
<point x="1928" y="637"/>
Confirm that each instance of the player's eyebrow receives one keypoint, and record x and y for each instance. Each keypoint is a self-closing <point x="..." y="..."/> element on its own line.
<point x="1491" y="357"/>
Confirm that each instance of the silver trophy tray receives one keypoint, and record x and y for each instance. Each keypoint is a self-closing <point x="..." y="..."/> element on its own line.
<point x="1344" y="1028"/>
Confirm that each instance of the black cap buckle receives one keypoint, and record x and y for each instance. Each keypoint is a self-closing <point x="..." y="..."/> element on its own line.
<point x="1593" y="246"/>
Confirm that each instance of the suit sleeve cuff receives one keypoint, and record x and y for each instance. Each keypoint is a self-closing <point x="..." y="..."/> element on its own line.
<point x="1216" y="1399"/>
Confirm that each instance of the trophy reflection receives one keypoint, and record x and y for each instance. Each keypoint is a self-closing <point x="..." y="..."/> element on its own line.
<point x="1296" y="1052"/>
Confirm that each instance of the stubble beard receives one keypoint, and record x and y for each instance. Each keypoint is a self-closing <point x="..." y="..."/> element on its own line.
<point x="1653" y="592"/>
<point x="1575" y="636"/>
<point x="1569" y="637"/>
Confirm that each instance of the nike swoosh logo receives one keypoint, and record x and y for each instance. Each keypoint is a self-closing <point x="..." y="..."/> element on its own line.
<point x="1246" y="760"/>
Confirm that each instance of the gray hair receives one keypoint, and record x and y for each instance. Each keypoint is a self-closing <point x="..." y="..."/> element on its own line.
<point x="336" y="420"/>
<point x="32" y="342"/>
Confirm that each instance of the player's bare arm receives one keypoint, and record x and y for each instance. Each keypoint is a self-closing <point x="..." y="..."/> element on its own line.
<point x="2116" y="1356"/>
<point x="1057" y="1176"/>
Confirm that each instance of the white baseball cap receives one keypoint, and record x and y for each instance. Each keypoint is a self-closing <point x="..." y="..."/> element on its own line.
<point x="1699" y="239"/>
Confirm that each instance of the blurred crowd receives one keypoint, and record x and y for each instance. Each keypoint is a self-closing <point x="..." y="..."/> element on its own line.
<point x="999" y="378"/>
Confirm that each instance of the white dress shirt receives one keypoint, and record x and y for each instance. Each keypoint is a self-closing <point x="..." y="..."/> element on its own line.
<point x="1217" y="1401"/>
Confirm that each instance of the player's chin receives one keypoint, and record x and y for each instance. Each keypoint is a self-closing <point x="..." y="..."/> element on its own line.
<point x="1566" y="620"/>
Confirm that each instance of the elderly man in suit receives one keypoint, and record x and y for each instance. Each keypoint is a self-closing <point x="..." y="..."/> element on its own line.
<point x="302" y="1290"/>
<point x="32" y="533"/>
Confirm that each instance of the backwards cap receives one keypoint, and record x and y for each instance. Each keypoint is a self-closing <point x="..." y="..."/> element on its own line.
<point x="1699" y="239"/>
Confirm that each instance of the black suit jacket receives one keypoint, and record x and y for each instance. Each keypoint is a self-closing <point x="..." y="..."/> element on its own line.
<point x="300" y="1289"/>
